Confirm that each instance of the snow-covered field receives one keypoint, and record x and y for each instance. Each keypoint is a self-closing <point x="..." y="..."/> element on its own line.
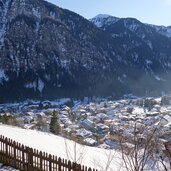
<point x="101" y="159"/>
<point x="56" y="145"/>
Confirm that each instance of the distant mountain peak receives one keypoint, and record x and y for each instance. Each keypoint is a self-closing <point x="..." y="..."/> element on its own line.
<point x="102" y="16"/>
<point x="166" y="31"/>
<point x="103" y="19"/>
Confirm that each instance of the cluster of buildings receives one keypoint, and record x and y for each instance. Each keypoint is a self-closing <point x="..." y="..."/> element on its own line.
<point x="103" y="123"/>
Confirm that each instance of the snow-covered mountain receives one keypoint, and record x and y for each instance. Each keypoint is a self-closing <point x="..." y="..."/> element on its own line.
<point x="102" y="20"/>
<point x="50" y="52"/>
<point x="166" y="31"/>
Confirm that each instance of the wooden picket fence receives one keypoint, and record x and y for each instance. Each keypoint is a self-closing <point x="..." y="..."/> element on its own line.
<point x="25" y="158"/>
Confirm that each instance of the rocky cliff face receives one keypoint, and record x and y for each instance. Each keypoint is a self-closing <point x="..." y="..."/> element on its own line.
<point x="49" y="52"/>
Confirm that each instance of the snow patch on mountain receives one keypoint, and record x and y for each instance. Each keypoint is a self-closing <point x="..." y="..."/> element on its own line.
<point x="47" y="77"/>
<point x="31" y="85"/>
<point x="103" y="19"/>
<point x="102" y="16"/>
<point x="148" y="62"/>
<point x="36" y="12"/>
<point x="169" y="31"/>
<point x="36" y="85"/>
<point x="149" y="44"/>
<point x="158" y="78"/>
<point x="52" y="14"/>
<point x="40" y="85"/>
<point x="131" y="24"/>
<point x="3" y="76"/>
<point x="65" y="63"/>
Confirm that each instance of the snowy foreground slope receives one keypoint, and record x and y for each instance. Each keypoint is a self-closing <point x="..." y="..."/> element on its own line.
<point x="101" y="159"/>
<point x="56" y="145"/>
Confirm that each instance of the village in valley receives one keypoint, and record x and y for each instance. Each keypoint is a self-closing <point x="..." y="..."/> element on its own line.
<point x="99" y="122"/>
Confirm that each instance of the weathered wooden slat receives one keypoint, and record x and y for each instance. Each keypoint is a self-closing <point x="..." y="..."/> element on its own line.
<point x="26" y="159"/>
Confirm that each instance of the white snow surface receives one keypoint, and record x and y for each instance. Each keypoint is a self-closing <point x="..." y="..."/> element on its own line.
<point x="90" y="156"/>
<point x="98" y="158"/>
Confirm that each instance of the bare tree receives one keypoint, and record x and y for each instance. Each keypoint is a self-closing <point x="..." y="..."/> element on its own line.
<point x="164" y="157"/>
<point x="107" y="165"/>
<point x="168" y="153"/>
<point x="42" y="123"/>
<point x="138" y="151"/>
<point x="74" y="151"/>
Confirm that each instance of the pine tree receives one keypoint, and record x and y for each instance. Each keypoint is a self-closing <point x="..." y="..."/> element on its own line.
<point x="149" y="103"/>
<point x="54" y="123"/>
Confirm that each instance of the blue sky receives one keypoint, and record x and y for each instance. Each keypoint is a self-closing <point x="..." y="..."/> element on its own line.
<point x="149" y="11"/>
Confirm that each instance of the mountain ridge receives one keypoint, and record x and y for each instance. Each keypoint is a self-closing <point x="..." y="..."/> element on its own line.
<point x="50" y="52"/>
<point x="100" y="18"/>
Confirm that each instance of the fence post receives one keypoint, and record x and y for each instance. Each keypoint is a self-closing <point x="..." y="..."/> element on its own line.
<point x="30" y="159"/>
<point x="2" y="149"/>
<point x="78" y="167"/>
<point x="50" y="162"/>
<point x="6" y="151"/>
<point x="69" y="165"/>
<point x="74" y="166"/>
<point x="27" y="154"/>
<point x="59" y="164"/>
<point x="40" y="155"/>
<point x="23" y="158"/>
<point x="14" y="146"/>
<point x="89" y="169"/>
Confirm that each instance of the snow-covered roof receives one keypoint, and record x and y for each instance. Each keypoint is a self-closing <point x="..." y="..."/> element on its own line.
<point x="90" y="141"/>
<point x="84" y="133"/>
